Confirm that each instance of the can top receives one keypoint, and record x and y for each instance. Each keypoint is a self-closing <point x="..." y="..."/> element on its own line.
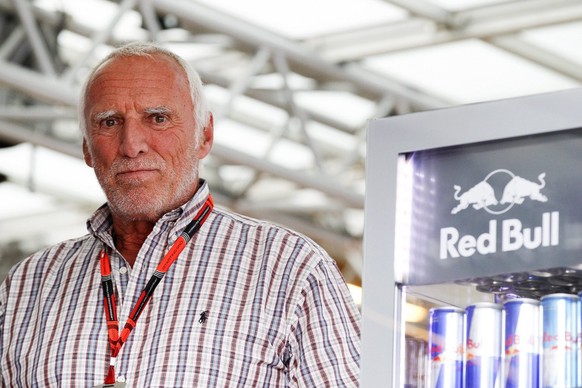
<point x="452" y="309"/>
<point x="522" y="301"/>
<point x="485" y="305"/>
<point x="560" y="296"/>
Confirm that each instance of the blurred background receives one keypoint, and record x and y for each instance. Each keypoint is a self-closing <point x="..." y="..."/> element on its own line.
<point x="292" y="84"/>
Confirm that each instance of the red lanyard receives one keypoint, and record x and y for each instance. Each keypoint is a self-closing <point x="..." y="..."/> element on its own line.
<point x="116" y="340"/>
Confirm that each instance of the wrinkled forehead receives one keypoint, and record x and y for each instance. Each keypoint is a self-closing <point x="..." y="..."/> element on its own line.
<point x="143" y="65"/>
<point x="137" y="76"/>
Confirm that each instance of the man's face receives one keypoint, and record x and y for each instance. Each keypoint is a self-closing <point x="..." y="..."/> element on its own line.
<point x="141" y="138"/>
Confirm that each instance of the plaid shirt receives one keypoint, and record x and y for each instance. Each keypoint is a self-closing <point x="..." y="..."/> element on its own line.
<point x="246" y="304"/>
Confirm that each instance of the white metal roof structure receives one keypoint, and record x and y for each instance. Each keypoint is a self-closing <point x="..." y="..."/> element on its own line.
<point x="292" y="84"/>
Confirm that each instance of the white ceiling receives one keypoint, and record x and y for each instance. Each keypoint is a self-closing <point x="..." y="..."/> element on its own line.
<point x="292" y="84"/>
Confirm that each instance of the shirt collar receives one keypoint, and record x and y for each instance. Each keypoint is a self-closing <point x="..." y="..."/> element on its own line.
<point x="100" y="224"/>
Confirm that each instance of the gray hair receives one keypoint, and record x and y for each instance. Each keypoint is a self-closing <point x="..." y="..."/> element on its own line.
<point x="145" y="49"/>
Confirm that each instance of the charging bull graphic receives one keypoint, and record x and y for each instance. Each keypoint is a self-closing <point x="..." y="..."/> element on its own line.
<point x="481" y="195"/>
<point x="516" y="190"/>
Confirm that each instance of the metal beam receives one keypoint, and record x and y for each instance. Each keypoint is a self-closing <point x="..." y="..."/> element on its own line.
<point x="414" y="33"/>
<point x="37" y="113"/>
<point x="34" y="36"/>
<point x="42" y="87"/>
<point x="20" y="134"/>
<point x="544" y="58"/>
<point x="300" y="59"/>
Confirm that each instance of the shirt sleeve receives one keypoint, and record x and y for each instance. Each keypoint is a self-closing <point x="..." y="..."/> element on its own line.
<point x="323" y="348"/>
<point x="3" y="291"/>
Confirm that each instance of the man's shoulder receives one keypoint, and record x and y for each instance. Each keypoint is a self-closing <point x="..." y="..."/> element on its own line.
<point x="54" y="255"/>
<point x="280" y="238"/>
<point x="260" y="225"/>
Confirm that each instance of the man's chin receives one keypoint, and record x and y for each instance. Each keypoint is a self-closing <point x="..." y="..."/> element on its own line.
<point x="133" y="207"/>
<point x="146" y="204"/>
<point x="146" y="215"/>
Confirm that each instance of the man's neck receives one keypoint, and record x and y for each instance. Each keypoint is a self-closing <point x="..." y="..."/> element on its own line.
<point x="129" y="237"/>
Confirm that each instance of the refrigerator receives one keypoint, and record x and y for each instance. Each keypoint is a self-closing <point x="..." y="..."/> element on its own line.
<point x="463" y="206"/>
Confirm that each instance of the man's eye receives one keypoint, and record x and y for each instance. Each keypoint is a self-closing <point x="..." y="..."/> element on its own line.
<point x="108" y="122"/>
<point x="160" y="119"/>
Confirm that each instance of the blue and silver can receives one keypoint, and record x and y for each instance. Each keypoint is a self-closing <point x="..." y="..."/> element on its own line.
<point x="522" y="343"/>
<point x="484" y="345"/>
<point x="446" y="343"/>
<point x="560" y="347"/>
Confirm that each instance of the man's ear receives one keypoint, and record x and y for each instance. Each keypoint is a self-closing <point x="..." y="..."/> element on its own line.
<point x="206" y="138"/>
<point x="86" y="154"/>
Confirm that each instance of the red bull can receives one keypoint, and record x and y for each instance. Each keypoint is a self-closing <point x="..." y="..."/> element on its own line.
<point x="560" y="348"/>
<point x="446" y="343"/>
<point x="484" y="345"/>
<point x="522" y="343"/>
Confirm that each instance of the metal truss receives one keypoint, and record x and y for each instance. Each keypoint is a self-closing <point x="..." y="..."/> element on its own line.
<point x="39" y="83"/>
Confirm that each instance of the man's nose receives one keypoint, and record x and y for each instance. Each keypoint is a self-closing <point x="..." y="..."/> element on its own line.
<point x="133" y="138"/>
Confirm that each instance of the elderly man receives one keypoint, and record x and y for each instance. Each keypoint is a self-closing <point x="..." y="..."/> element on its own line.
<point x="166" y="290"/>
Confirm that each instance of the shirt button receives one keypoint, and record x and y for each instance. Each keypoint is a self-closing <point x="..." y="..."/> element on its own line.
<point x="123" y="270"/>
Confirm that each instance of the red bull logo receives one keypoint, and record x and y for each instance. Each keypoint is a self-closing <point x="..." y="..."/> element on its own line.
<point x="565" y="340"/>
<point x="513" y="236"/>
<point x="516" y="190"/>
<point x="511" y="233"/>
<point x="514" y="344"/>
<point x="440" y="353"/>
<point x="473" y="350"/>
